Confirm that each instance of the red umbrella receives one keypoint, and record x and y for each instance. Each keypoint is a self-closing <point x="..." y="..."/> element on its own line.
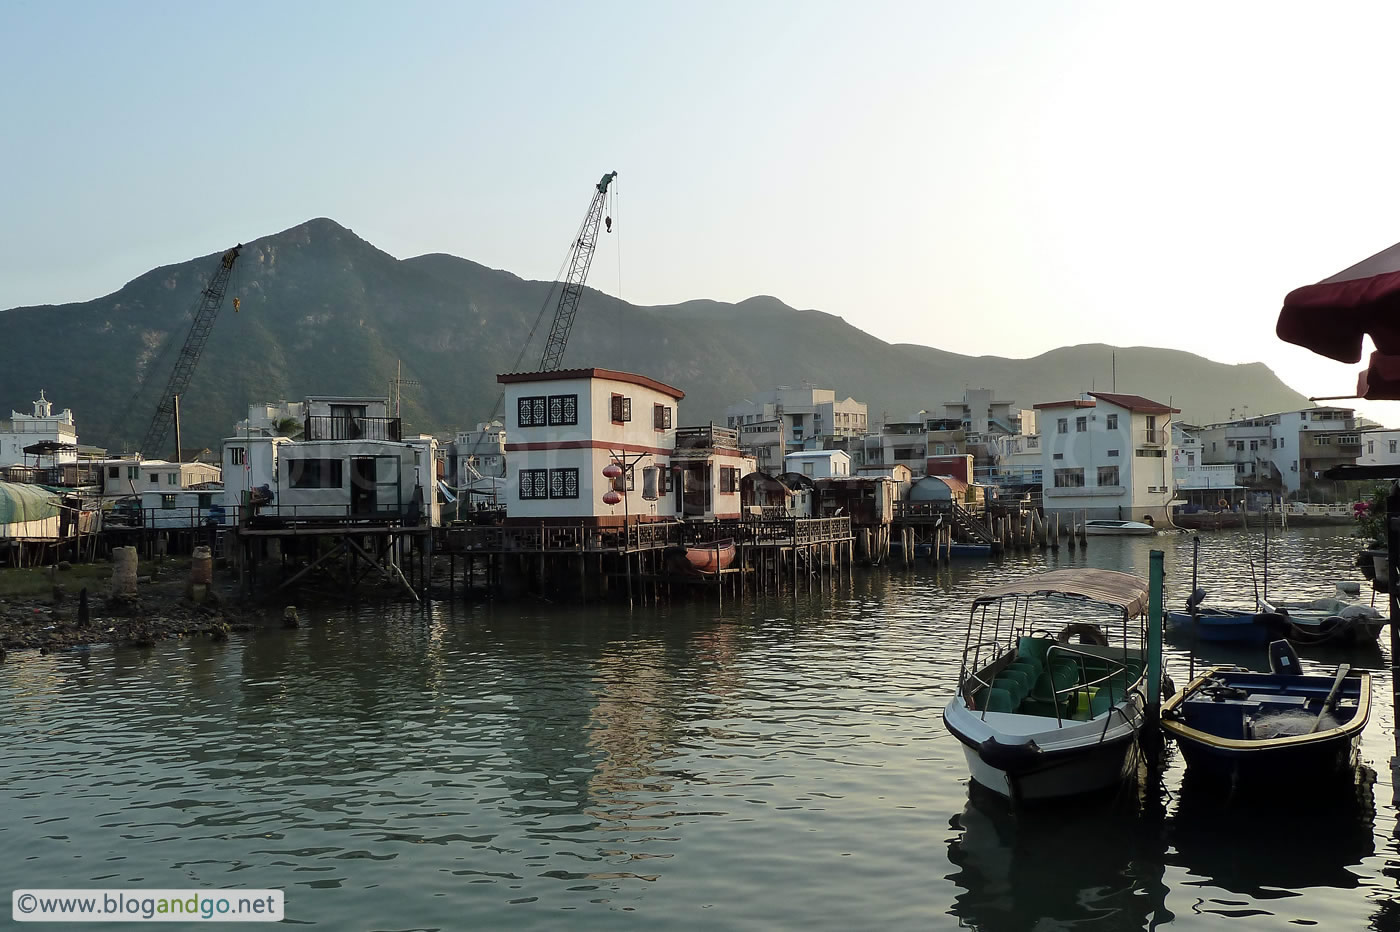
<point x="1331" y="317"/>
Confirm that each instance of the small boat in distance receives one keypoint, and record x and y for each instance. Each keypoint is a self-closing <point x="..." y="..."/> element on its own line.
<point x="1040" y="717"/>
<point x="1237" y="725"/>
<point x="1130" y="528"/>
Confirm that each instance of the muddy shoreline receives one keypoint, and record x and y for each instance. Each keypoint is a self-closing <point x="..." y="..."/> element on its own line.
<point x="160" y="611"/>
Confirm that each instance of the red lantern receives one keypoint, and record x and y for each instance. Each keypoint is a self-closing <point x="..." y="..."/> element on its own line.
<point x="612" y="470"/>
<point x="611" y="497"/>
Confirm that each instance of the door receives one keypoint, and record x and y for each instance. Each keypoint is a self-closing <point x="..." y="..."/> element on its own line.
<point x="364" y="497"/>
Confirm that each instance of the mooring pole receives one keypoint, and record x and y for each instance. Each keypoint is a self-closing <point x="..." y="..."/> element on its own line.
<point x="1392" y="541"/>
<point x="1156" y="581"/>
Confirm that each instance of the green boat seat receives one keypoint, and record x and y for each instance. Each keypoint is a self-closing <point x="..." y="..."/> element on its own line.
<point x="1032" y="670"/>
<point x="1013" y="687"/>
<point x="997" y="700"/>
<point x="1032" y="648"/>
<point x="1021" y="677"/>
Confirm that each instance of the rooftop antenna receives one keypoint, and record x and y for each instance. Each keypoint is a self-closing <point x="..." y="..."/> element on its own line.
<point x="1115" y="370"/>
<point x="396" y="385"/>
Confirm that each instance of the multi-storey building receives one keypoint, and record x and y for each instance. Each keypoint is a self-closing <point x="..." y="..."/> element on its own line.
<point x="1286" y="452"/>
<point x="1107" y="455"/>
<point x="808" y="418"/>
<point x="56" y="432"/>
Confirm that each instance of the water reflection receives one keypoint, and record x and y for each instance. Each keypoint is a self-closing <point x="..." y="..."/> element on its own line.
<point x="1267" y="843"/>
<point x="1095" y="862"/>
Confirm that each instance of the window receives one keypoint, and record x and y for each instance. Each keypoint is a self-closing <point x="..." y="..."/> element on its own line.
<point x="809" y="468"/>
<point x="563" y="410"/>
<point x="167" y="501"/>
<point x="115" y="472"/>
<point x="661" y="417"/>
<point x="1069" y="478"/>
<point x="1150" y="454"/>
<point x="206" y="499"/>
<point x="938" y="449"/>
<point x="1280" y="443"/>
<point x="1254" y="444"/>
<point x="237" y="456"/>
<point x="1108" y="475"/>
<point x="1392" y="446"/>
<point x="1062" y="426"/>
<point x="1212" y="446"/>
<point x="1151" y="420"/>
<point x="133" y="472"/>
<point x="1081" y="424"/>
<point x="1057" y="456"/>
<point x="621" y="409"/>
<point x="1323" y="440"/>
<point x="729" y="478"/>
<point x="1239" y="467"/>
<point x="1370" y="447"/>
<point x="563" y="483"/>
<point x="1112" y="421"/>
<point x="531" y="411"/>
<point x="314" y="474"/>
<point x="172" y="478"/>
<point x="1113" y="453"/>
<point x="534" y="483"/>
<point x="155" y="478"/>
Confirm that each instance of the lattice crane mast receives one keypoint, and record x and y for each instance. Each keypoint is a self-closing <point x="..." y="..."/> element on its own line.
<point x="206" y="312"/>
<point x="580" y="258"/>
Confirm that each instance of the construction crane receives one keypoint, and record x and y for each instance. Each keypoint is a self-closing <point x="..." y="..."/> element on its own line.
<point x="205" y="313"/>
<point x="580" y="258"/>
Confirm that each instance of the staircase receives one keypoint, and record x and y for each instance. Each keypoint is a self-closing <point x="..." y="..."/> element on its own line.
<point x="972" y="527"/>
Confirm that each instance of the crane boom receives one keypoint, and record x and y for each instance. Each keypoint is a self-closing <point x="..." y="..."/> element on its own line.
<point x="211" y="299"/>
<point x="580" y="258"/>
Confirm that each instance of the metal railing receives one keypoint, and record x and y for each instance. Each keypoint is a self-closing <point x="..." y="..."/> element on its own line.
<point x="336" y="427"/>
<point x="692" y="442"/>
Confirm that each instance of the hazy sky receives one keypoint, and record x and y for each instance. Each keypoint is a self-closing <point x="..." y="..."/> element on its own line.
<point x="983" y="177"/>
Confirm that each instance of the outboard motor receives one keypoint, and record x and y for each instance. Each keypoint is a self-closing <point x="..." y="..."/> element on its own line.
<point x="1284" y="659"/>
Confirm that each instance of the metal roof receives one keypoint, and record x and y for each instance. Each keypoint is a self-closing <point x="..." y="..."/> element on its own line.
<point x="1107" y="587"/>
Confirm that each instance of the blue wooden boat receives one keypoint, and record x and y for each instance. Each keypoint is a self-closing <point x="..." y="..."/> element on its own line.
<point x="1228" y="625"/>
<point x="1239" y="725"/>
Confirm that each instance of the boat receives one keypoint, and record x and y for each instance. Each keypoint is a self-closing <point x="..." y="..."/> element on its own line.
<point x="1228" y="625"/>
<point x="707" y="558"/>
<point x="1120" y="528"/>
<point x="1038" y="715"/>
<point x="969" y="550"/>
<point x="1236" y="724"/>
<point x="1342" y="617"/>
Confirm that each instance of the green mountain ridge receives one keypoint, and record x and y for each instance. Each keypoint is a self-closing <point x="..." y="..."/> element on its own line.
<point x="323" y="311"/>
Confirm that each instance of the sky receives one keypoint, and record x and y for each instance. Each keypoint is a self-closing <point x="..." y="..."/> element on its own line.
<point x="988" y="178"/>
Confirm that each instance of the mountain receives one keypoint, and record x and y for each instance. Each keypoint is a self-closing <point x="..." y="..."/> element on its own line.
<point x="323" y="311"/>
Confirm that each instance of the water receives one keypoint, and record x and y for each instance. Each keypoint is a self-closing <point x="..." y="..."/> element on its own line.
<point x="777" y="764"/>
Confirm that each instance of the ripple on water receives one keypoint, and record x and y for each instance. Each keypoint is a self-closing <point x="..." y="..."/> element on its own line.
<point x="780" y="763"/>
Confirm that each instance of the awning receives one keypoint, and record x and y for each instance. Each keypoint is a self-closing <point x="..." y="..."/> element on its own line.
<point x="1332" y="318"/>
<point x="21" y="503"/>
<point x="1108" y="587"/>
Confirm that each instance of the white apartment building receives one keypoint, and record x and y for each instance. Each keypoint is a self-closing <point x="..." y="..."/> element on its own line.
<point x="567" y="426"/>
<point x="1288" y="451"/>
<point x="1379" y="448"/>
<point x="819" y="464"/>
<point x="24" y="430"/>
<point x="807" y="416"/>
<point x="1107" y="455"/>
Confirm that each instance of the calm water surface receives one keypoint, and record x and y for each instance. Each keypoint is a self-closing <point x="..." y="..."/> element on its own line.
<point x="779" y="763"/>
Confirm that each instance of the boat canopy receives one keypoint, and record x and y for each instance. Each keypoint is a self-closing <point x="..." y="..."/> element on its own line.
<point x="1109" y="587"/>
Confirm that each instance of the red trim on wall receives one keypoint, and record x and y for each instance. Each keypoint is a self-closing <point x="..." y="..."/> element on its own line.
<point x="586" y="445"/>
<point x="610" y="374"/>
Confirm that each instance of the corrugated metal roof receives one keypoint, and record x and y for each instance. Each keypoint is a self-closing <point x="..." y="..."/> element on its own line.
<point x="20" y="502"/>
<point x="1108" y="587"/>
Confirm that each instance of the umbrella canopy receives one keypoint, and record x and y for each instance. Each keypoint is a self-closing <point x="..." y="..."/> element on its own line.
<point x="1332" y="317"/>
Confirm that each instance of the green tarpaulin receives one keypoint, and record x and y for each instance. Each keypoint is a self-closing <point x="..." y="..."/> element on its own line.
<point x="20" y="503"/>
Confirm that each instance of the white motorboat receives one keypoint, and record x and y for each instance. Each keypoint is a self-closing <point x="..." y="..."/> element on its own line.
<point x="1131" y="528"/>
<point x="1040" y="717"/>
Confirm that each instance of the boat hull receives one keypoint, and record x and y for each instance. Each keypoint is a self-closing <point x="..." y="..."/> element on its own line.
<point x="709" y="559"/>
<point x="1215" y="746"/>
<point x="1026" y="758"/>
<point x="1226" y="626"/>
<point x="1125" y="530"/>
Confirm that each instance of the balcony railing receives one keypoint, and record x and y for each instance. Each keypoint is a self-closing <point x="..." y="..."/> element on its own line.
<point x="324" y="427"/>
<point x="700" y="442"/>
<point x="1155" y="436"/>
